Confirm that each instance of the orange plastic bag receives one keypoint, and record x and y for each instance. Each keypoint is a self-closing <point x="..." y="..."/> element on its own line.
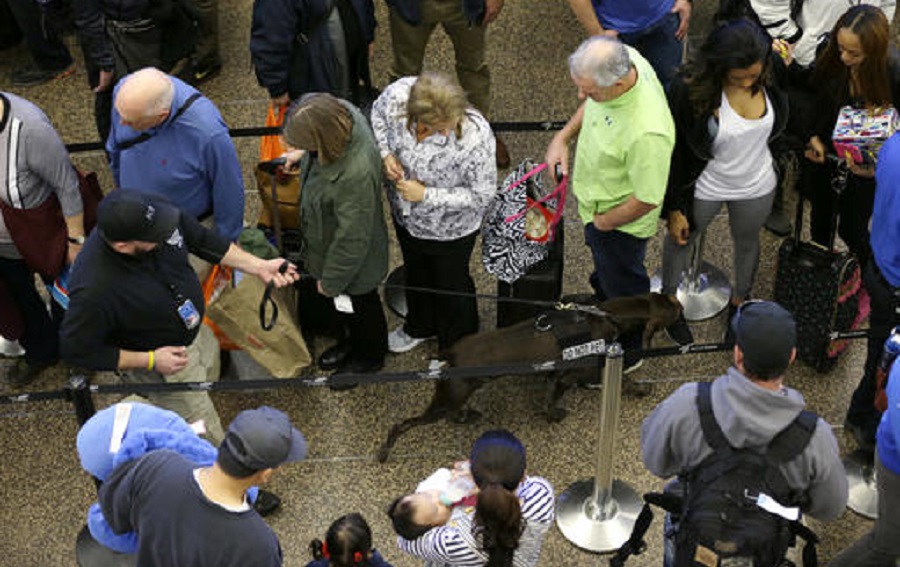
<point x="219" y="277"/>
<point x="271" y="147"/>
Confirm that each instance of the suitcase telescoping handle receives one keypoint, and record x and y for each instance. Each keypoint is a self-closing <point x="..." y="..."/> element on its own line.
<point x="838" y="185"/>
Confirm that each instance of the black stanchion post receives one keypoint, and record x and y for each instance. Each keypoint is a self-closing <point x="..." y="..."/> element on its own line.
<point x="79" y="394"/>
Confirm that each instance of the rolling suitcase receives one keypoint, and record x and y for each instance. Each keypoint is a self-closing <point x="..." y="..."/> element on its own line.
<point x="542" y="282"/>
<point x="820" y="287"/>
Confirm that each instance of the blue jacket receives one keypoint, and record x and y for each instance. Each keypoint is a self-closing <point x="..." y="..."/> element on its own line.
<point x="411" y="10"/>
<point x="190" y="160"/>
<point x="885" y="238"/>
<point x="888" y="436"/>
<point x="290" y="47"/>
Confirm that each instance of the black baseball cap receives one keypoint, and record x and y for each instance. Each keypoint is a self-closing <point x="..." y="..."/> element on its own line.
<point x="767" y="335"/>
<point x="258" y="439"/>
<point x="128" y="214"/>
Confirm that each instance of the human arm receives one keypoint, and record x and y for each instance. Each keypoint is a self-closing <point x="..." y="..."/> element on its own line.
<point x="558" y="150"/>
<point x="265" y="270"/>
<point x="475" y="157"/>
<point x="90" y="23"/>
<point x="647" y="163"/>
<point x="775" y="17"/>
<point x="491" y="11"/>
<point x="441" y="545"/>
<point x="386" y="118"/>
<point x="667" y="433"/>
<point x="116" y="496"/>
<point x="683" y="9"/>
<point x="354" y="207"/>
<point x="273" y="29"/>
<point x="226" y="182"/>
<point x="584" y="11"/>
<point x="828" y="491"/>
<point x="625" y="212"/>
<point x="537" y="500"/>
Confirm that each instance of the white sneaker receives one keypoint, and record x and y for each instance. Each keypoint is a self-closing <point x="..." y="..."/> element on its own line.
<point x="10" y="348"/>
<point x="399" y="341"/>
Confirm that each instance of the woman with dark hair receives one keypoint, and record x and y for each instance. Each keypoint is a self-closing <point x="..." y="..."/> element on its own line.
<point x="857" y="68"/>
<point x="512" y="514"/>
<point x="729" y="117"/>
<point x="348" y="543"/>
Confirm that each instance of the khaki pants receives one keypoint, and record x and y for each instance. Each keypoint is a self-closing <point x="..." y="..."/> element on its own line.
<point x="409" y="44"/>
<point x="203" y="366"/>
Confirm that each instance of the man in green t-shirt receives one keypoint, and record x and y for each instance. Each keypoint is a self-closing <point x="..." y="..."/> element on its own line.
<point x="625" y="138"/>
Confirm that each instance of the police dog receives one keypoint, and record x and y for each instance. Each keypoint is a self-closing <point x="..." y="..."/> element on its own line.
<point x="538" y="340"/>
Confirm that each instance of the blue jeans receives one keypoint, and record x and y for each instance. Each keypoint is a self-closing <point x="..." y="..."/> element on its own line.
<point x="618" y="269"/>
<point x="659" y="46"/>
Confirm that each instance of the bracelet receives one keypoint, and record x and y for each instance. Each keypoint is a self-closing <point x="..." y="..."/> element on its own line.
<point x="150" y="361"/>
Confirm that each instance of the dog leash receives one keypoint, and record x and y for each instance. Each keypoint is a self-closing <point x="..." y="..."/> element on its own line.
<point x="267" y="325"/>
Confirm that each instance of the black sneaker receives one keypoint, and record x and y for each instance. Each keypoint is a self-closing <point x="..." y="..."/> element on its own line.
<point x="33" y="76"/>
<point x="21" y="374"/>
<point x="266" y="502"/>
<point x="206" y="72"/>
<point x="679" y="332"/>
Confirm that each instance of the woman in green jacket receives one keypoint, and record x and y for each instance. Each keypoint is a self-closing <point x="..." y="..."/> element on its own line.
<point x="341" y="220"/>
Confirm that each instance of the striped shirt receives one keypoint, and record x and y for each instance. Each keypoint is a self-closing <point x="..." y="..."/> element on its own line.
<point x="455" y="544"/>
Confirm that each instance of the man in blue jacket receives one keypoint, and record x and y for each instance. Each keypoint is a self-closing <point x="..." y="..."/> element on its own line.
<point x="169" y="140"/>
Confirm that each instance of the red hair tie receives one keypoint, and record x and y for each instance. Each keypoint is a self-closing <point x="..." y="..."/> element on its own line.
<point x="357" y="557"/>
<point x="325" y="553"/>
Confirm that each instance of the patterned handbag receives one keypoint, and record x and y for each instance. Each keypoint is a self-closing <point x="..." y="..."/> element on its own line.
<point x="520" y="222"/>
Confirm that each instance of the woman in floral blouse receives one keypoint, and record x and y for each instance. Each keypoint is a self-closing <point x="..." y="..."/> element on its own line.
<point x="439" y="159"/>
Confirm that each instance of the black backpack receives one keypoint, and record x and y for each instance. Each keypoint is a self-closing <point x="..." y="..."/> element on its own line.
<point x="719" y="516"/>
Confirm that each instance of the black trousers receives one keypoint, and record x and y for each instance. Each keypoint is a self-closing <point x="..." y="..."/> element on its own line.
<point x="41" y="339"/>
<point x="41" y="37"/>
<point x="442" y="265"/>
<point x="854" y="209"/>
<point x="882" y="319"/>
<point x="365" y="329"/>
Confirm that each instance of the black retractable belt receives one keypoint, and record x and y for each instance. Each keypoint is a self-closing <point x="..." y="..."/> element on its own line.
<point x="267" y="299"/>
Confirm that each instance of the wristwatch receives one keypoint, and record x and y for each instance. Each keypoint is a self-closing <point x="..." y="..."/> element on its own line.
<point x="79" y="240"/>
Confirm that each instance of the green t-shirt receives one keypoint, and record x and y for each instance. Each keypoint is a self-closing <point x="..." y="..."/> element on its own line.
<point x="624" y="149"/>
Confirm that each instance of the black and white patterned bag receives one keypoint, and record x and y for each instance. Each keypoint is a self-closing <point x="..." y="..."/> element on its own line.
<point x="519" y="222"/>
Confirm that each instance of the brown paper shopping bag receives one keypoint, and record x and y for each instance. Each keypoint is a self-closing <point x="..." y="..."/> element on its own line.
<point x="282" y="351"/>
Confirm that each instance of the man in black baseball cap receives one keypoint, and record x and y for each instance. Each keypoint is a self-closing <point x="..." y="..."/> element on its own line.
<point x="198" y="517"/>
<point x="135" y="303"/>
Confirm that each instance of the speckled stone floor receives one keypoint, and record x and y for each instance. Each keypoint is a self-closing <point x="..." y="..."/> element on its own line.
<point x="45" y="494"/>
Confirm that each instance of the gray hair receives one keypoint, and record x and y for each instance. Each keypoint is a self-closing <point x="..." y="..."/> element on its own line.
<point x="601" y="59"/>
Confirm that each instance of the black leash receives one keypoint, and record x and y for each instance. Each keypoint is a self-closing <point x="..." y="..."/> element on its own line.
<point x="269" y="324"/>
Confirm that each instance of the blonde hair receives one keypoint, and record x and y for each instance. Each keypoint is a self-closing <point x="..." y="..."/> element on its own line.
<point x="436" y="98"/>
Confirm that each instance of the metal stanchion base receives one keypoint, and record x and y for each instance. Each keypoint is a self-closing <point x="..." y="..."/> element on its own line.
<point x="89" y="553"/>
<point x="863" y="497"/>
<point x="395" y="297"/>
<point x="579" y="520"/>
<point x="707" y="297"/>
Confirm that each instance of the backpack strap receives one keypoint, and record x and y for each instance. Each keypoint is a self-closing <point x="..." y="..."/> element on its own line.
<point x="144" y="136"/>
<point x="794" y="438"/>
<point x="712" y="431"/>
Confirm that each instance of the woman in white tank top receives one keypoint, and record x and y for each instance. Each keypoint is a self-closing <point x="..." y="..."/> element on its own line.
<point x="728" y="114"/>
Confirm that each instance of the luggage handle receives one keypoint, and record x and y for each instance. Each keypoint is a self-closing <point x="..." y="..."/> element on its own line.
<point x="838" y="184"/>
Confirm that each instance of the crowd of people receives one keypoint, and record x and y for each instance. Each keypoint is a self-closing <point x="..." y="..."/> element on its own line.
<point x="656" y="137"/>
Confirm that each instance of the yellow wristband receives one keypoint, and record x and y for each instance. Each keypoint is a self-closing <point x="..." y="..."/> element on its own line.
<point x="150" y="362"/>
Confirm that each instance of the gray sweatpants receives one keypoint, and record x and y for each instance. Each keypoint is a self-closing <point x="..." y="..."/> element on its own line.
<point x="745" y="218"/>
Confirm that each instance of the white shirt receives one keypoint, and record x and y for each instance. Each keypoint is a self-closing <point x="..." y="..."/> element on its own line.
<point x="742" y="166"/>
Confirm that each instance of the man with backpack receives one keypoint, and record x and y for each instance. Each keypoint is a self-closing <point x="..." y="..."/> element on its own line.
<point x="748" y="458"/>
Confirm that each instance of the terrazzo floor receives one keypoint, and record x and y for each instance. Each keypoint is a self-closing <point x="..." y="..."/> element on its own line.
<point x="45" y="494"/>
